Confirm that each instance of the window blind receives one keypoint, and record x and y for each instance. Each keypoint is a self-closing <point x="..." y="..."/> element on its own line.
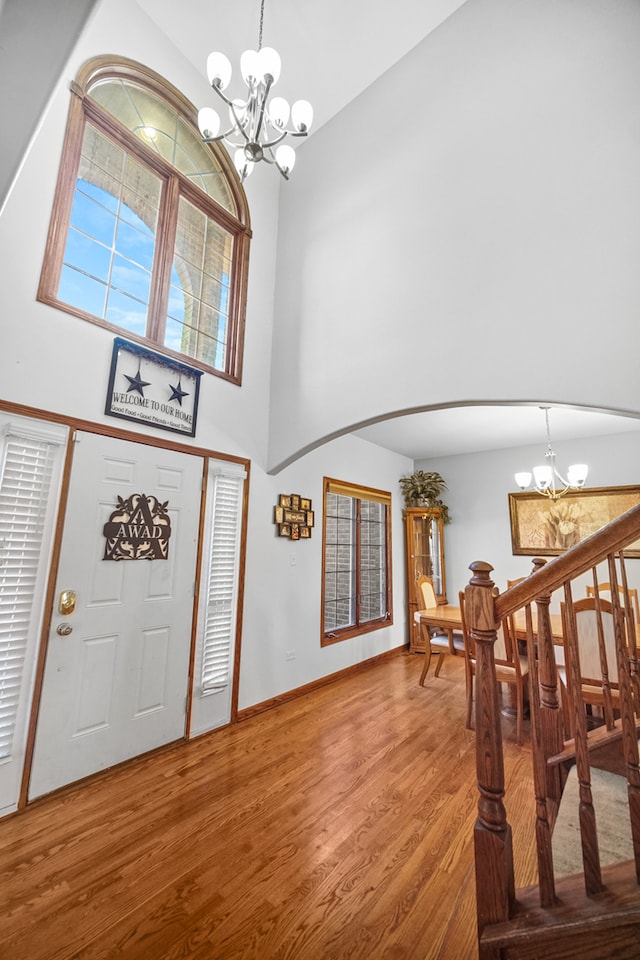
<point x="222" y="585"/>
<point x="25" y="481"/>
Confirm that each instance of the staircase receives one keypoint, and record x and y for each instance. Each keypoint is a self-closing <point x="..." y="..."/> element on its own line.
<point x="593" y="913"/>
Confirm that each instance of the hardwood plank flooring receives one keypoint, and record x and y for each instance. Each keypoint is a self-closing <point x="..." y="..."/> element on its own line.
<point x="338" y="826"/>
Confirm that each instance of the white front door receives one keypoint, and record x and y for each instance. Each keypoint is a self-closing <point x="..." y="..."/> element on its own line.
<point x="116" y="673"/>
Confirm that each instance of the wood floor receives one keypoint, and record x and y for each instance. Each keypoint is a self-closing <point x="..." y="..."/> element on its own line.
<point x="335" y="827"/>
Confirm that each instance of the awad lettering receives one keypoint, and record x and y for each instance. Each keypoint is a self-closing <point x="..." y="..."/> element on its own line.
<point x="138" y="529"/>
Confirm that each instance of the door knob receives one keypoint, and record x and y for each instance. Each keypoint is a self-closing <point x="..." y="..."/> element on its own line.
<point x="64" y="629"/>
<point x="67" y="602"/>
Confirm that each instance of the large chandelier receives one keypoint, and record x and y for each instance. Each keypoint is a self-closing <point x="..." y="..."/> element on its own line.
<point x="545" y="477"/>
<point x="257" y="127"/>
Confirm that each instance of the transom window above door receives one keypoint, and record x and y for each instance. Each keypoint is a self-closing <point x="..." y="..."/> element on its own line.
<point x="150" y="227"/>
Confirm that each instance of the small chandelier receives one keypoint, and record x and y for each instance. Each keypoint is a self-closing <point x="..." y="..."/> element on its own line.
<point x="545" y="476"/>
<point x="257" y="127"/>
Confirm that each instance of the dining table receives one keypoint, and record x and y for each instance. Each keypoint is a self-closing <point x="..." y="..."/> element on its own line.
<point x="448" y="617"/>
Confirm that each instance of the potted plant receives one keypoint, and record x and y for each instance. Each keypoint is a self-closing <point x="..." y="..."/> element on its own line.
<point x="424" y="488"/>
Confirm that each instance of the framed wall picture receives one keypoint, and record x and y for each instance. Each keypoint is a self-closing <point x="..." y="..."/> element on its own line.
<point x="543" y="527"/>
<point x="151" y="388"/>
<point x="293" y="516"/>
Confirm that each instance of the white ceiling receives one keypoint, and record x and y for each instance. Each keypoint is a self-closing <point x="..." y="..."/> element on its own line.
<point x="331" y="51"/>
<point x="442" y="433"/>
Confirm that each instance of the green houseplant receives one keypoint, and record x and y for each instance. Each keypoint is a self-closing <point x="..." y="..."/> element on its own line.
<point x="424" y="488"/>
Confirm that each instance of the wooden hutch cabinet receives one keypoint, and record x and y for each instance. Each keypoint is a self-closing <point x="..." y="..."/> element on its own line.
<point x="424" y="552"/>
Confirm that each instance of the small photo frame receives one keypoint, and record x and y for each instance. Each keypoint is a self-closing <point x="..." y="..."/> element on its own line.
<point x="285" y="500"/>
<point x="310" y="518"/>
<point x="305" y="503"/>
<point x="295" y="516"/>
<point x="285" y="530"/>
<point x="278" y="515"/>
<point x="295" y="501"/>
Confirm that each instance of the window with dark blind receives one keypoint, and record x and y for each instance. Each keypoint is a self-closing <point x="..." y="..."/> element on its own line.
<point x="356" y="582"/>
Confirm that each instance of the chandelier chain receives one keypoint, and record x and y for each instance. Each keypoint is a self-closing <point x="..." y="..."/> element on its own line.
<point x="261" y="23"/>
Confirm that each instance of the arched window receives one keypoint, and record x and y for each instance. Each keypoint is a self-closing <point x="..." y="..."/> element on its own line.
<point x="150" y="227"/>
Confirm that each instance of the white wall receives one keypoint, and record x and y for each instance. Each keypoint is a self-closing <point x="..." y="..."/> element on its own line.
<point x="282" y="587"/>
<point x="477" y="496"/>
<point x="55" y="362"/>
<point x="469" y="228"/>
<point x="36" y="37"/>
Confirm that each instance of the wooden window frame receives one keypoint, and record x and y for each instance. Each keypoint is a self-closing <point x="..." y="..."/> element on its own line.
<point x="84" y="110"/>
<point x="357" y="493"/>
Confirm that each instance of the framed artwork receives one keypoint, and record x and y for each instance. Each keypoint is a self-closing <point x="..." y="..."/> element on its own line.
<point x="293" y="516"/>
<point x="547" y="528"/>
<point x="151" y="388"/>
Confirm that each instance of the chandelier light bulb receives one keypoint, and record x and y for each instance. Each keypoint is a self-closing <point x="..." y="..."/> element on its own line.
<point x="542" y="476"/>
<point x="302" y="115"/>
<point x="279" y="112"/>
<point x="250" y="67"/>
<point x="577" y="474"/>
<point x="285" y="158"/>
<point x="208" y="123"/>
<point x="269" y="64"/>
<point x="523" y="480"/>
<point x="218" y="70"/>
<point x="243" y="165"/>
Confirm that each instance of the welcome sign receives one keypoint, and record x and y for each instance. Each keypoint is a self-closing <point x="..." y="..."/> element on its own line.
<point x="149" y="387"/>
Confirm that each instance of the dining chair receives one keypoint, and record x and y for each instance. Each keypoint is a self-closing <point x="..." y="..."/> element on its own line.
<point x="597" y="658"/>
<point x="435" y="641"/>
<point x="512" y="667"/>
<point x="606" y="588"/>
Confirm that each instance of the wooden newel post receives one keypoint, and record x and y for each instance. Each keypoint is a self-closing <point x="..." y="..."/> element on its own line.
<point x="495" y="889"/>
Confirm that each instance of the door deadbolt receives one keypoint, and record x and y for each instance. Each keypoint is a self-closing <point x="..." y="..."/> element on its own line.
<point x="64" y="629"/>
<point x="67" y="602"/>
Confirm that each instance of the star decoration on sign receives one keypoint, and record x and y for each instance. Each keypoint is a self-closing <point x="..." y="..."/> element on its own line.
<point x="137" y="383"/>
<point x="177" y="393"/>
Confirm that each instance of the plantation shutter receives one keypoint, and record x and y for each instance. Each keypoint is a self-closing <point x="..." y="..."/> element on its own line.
<point x="25" y="480"/>
<point x="222" y="581"/>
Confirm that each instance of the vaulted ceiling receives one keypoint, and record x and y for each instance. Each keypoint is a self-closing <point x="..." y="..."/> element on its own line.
<point x="331" y="51"/>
